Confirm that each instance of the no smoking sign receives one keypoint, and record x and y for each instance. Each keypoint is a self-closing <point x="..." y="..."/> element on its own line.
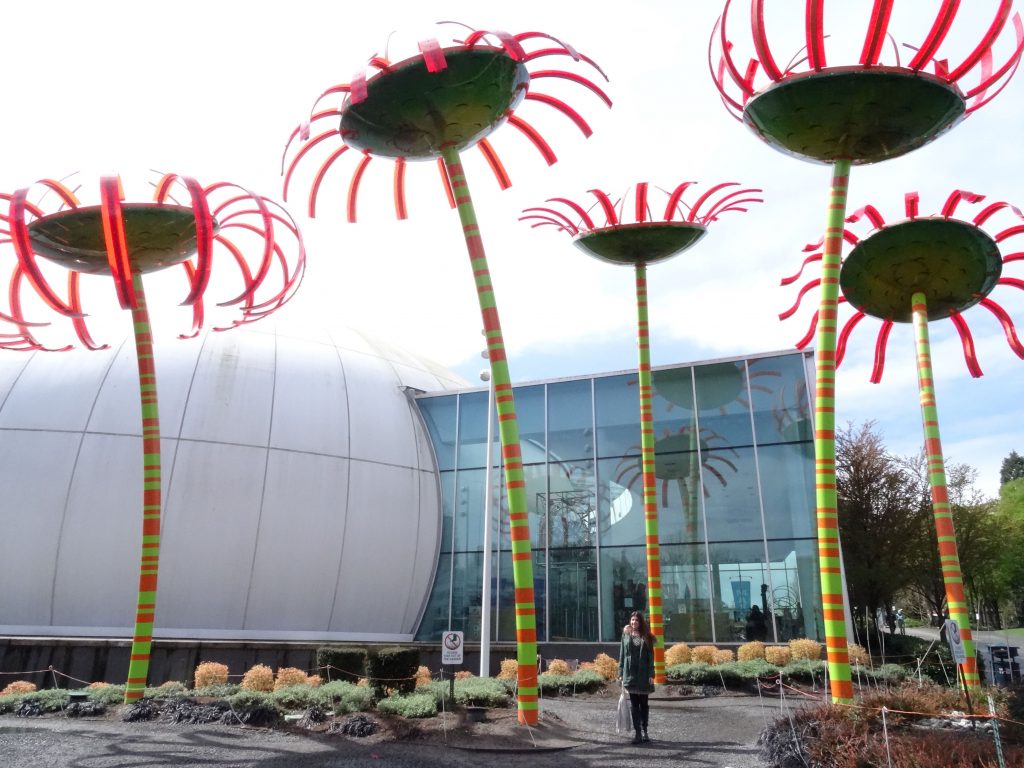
<point x="451" y="648"/>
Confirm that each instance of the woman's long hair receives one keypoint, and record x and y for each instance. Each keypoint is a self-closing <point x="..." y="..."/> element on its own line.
<point x="645" y="628"/>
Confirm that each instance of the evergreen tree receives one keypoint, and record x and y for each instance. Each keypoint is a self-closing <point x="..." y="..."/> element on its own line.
<point x="1012" y="469"/>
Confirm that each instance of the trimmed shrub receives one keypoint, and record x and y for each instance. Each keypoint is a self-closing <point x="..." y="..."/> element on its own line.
<point x="210" y="673"/>
<point x="724" y="656"/>
<point x="588" y="680"/>
<point x="462" y="674"/>
<point x="558" y="667"/>
<point x="39" y="702"/>
<point x="342" y="662"/>
<point x="779" y="655"/>
<point x="313" y="681"/>
<point x="424" y="676"/>
<point x="259" y="678"/>
<point x="694" y="673"/>
<point x="469" y="692"/>
<point x="393" y="668"/>
<point x="414" y="705"/>
<point x="750" y="651"/>
<point x="606" y="666"/>
<point x="251" y="698"/>
<point x="509" y="669"/>
<point x="169" y="690"/>
<point x="584" y="681"/>
<point x="679" y="653"/>
<point x="344" y="697"/>
<point x="891" y="674"/>
<point x="703" y="654"/>
<point x="18" y="687"/>
<point x="859" y="656"/>
<point x="805" y="648"/>
<point x="288" y="676"/>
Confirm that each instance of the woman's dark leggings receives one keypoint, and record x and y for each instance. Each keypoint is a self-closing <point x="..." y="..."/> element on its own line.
<point x="640" y="709"/>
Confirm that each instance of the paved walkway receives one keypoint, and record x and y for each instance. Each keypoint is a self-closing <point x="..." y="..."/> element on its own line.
<point x="716" y="732"/>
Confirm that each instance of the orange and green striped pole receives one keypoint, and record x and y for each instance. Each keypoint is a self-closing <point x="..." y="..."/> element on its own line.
<point x="949" y="558"/>
<point x="508" y="430"/>
<point x="142" y="640"/>
<point x="832" y="603"/>
<point x="654" y="612"/>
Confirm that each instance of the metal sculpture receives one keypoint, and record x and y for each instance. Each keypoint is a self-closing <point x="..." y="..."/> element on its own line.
<point x="432" y="106"/>
<point x="642" y="241"/>
<point x="125" y="240"/>
<point x="864" y="112"/>
<point x="916" y="270"/>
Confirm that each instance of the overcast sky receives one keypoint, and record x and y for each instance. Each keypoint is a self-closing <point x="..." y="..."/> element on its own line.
<point x="213" y="89"/>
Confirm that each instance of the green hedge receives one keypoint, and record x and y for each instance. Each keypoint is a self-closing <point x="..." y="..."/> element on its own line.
<point x="342" y="662"/>
<point x="344" y="698"/>
<point x="393" y="668"/>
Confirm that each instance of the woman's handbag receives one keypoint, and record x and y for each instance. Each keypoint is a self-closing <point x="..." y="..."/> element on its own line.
<point x="623" y="717"/>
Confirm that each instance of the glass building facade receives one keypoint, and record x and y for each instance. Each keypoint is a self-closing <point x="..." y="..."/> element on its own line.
<point x="735" y="482"/>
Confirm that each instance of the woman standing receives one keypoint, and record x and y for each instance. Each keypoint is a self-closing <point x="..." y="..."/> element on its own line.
<point x="636" y="665"/>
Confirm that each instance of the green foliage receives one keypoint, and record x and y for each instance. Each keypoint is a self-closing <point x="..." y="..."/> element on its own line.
<point x="294" y="697"/>
<point x="695" y="673"/>
<point x="889" y="674"/>
<point x="108" y="695"/>
<point x="344" y="697"/>
<point x="166" y="691"/>
<point x="805" y="670"/>
<point x="47" y="700"/>
<point x="584" y="681"/>
<point x="248" y="699"/>
<point x="219" y="691"/>
<point x="341" y="662"/>
<point x="10" y="702"/>
<point x="1012" y="468"/>
<point x="470" y="692"/>
<point x="414" y="705"/>
<point x="393" y="668"/>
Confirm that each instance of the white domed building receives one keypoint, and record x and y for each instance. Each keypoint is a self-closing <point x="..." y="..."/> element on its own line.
<point x="301" y="497"/>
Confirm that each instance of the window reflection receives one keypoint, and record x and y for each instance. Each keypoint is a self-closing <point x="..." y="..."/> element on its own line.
<point x="725" y="448"/>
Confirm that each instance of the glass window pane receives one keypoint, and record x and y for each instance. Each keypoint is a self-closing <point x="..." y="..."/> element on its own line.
<point x="435" y="617"/>
<point x="466" y="594"/>
<point x="439" y="415"/>
<point x="620" y="502"/>
<point x="787" y="486"/>
<point x="795" y="595"/>
<point x="684" y="586"/>
<point x="572" y="594"/>
<point x="782" y="412"/>
<point x="506" y="610"/>
<point x="724" y="411"/>
<point x="672" y="401"/>
<point x="623" y="588"/>
<point x="570" y="420"/>
<point x="740" y="580"/>
<point x="469" y="510"/>
<point x="571" y="504"/>
<point x="530" y="417"/>
<point x="617" y="405"/>
<point x="731" y="504"/>
<point x="447" y="505"/>
<point x="473" y="430"/>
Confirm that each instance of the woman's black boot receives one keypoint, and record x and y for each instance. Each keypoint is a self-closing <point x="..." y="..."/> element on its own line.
<point x="645" y="737"/>
<point x="638" y="738"/>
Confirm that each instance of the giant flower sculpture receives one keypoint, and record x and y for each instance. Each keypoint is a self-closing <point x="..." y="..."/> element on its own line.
<point x="851" y="113"/>
<point x="252" y="237"/>
<point x="916" y="270"/>
<point x="642" y="241"/>
<point x="442" y="100"/>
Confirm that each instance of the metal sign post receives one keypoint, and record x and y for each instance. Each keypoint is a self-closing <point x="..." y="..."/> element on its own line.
<point x="451" y="653"/>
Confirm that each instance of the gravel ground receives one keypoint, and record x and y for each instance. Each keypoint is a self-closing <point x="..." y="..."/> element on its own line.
<point x="716" y="732"/>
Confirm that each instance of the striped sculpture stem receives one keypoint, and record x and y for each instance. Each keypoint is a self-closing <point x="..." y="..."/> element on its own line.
<point x="142" y="640"/>
<point x="511" y="454"/>
<point x="654" y="607"/>
<point x="689" y="491"/>
<point x="832" y="603"/>
<point x="948" y="556"/>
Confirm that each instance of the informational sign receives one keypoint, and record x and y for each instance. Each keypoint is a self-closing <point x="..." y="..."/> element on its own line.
<point x="451" y="648"/>
<point x="956" y="643"/>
